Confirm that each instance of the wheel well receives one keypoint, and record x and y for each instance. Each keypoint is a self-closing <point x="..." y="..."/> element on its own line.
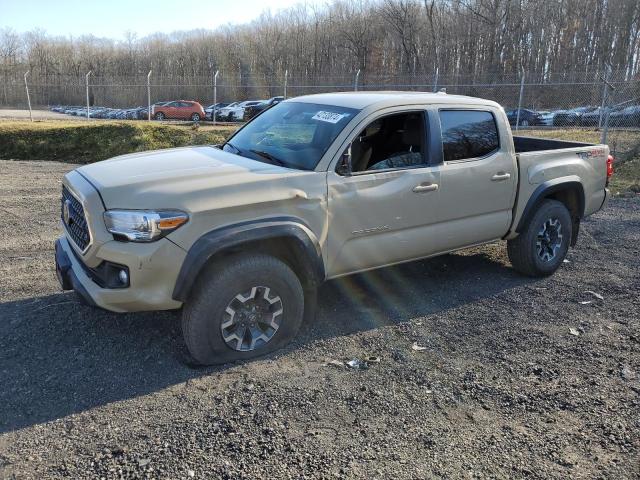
<point x="568" y="192"/>
<point x="570" y="196"/>
<point x="287" y="249"/>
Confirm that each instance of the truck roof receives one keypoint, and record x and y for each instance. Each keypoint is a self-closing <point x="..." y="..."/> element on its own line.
<point x="361" y="100"/>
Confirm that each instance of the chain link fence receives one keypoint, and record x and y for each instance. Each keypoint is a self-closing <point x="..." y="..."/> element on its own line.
<point x="607" y="101"/>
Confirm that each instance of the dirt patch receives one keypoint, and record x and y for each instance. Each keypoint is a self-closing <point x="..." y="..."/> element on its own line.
<point x="519" y="377"/>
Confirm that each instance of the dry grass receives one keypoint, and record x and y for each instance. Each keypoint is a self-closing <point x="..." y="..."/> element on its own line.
<point x="72" y="141"/>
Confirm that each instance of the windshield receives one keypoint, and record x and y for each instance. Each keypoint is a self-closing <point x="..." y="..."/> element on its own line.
<point x="291" y="134"/>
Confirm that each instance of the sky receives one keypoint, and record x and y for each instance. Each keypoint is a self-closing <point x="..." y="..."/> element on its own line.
<point x="112" y="18"/>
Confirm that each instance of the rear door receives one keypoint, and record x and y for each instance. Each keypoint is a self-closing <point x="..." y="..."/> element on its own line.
<point x="478" y="176"/>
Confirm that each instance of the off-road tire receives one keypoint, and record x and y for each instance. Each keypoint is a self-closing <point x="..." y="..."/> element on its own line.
<point x="204" y="312"/>
<point x="159" y="116"/>
<point x="523" y="250"/>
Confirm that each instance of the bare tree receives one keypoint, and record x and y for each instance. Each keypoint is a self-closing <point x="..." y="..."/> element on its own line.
<point x="464" y="40"/>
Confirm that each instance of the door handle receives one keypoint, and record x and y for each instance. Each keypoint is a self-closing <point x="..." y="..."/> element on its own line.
<point x="498" y="177"/>
<point x="425" y="188"/>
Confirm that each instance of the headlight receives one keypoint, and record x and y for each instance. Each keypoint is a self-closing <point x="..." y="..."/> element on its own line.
<point x="143" y="225"/>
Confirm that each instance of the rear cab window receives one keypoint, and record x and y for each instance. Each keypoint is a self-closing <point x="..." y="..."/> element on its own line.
<point x="468" y="134"/>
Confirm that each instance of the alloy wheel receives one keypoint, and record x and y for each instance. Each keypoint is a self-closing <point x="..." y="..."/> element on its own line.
<point x="549" y="239"/>
<point x="251" y="319"/>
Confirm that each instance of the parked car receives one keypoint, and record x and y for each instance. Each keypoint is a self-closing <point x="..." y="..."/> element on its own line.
<point x="98" y="112"/>
<point x="596" y="116"/>
<point x="571" y="117"/>
<point x="223" y="113"/>
<point x="241" y="236"/>
<point x="179" y="109"/>
<point x="208" y="111"/>
<point x="527" y="117"/>
<point x="141" y="113"/>
<point x="253" y="110"/>
<point x="235" y="113"/>
<point x="546" y="118"/>
<point x="626" y="117"/>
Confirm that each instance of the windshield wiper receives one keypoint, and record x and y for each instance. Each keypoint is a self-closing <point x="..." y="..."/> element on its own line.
<point x="269" y="157"/>
<point x="232" y="146"/>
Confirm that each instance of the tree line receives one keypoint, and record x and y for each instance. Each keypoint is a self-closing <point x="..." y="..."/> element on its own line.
<point x="467" y="40"/>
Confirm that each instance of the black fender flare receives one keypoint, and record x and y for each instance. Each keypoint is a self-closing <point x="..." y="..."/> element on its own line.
<point x="235" y="235"/>
<point x="548" y="188"/>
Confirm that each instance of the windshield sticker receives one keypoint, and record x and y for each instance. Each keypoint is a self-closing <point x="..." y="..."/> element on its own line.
<point x="330" y="117"/>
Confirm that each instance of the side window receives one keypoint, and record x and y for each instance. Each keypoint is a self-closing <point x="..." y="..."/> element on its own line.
<point x="394" y="141"/>
<point x="468" y="134"/>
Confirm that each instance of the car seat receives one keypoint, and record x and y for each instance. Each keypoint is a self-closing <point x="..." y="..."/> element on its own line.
<point x="412" y="140"/>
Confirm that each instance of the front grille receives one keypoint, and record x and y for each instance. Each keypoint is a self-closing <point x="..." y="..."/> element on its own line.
<point x="74" y="220"/>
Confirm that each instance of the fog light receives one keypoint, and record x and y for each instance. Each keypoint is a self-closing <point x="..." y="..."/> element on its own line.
<point x="123" y="276"/>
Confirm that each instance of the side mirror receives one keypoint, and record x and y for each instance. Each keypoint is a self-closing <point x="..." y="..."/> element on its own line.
<point x="344" y="165"/>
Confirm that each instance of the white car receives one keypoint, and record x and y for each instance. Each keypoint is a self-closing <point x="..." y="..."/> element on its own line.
<point x="546" y="118"/>
<point x="235" y="111"/>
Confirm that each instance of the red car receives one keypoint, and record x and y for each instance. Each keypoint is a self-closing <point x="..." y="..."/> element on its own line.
<point x="180" y="109"/>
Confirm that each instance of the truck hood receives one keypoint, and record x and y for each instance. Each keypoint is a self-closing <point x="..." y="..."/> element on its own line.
<point x="162" y="178"/>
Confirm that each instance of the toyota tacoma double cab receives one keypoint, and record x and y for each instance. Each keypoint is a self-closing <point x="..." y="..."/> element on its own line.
<point x="240" y="235"/>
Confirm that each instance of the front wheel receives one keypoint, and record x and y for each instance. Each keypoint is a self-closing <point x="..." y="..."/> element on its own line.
<point x="195" y="117"/>
<point x="242" y="308"/>
<point x="159" y="116"/>
<point x="543" y="244"/>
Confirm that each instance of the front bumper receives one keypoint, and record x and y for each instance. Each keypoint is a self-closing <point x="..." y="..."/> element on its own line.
<point x="153" y="269"/>
<point x="67" y="277"/>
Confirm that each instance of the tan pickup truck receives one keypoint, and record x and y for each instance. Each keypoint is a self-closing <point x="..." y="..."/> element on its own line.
<point x="240" y="235"/>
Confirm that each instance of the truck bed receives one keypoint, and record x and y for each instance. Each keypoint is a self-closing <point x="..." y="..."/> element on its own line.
<point x="533" y="144"/>
<point x="542" y="162"/>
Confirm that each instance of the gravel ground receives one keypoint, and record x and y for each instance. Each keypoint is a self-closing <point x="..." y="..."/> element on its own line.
<point x="517" y="379"/>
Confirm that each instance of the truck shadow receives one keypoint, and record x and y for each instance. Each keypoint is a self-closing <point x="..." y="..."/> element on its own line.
<point x="59" y="357"/>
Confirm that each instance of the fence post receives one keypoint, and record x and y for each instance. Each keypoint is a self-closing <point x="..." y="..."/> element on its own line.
<point x="435" y="80"/>
<point x="215" y="96"/>
<point x="149" y="96"/>
<point x="355" y="81"/>
<point x="286" y="74"/>
<point x="605" y="110"/>
<point x="520" y="101"/>
<point x="605" y="94"/>
<point x="86" y="81"/>
<point x="26" y="86"/>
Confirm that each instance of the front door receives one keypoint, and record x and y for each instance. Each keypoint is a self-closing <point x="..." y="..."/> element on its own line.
<point x="379" y="218"/>
<point x="378" y="215"/>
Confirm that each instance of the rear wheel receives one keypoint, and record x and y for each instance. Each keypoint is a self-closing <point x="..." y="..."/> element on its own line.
<point x="242" y="308"/>
<point x="524" y="123"/>
<point x="195" y="117"/>
<point x="543" y="244"/>
<point x="159" y="116"/>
